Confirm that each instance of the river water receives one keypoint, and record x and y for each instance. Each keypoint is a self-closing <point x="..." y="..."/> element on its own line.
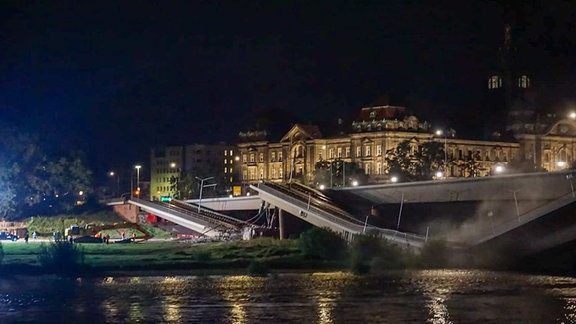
<point x="429" y="296"/>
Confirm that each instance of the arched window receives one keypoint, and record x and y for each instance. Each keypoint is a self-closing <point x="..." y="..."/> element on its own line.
<point x="523" y="82"/>
<point x="494" y="82"/>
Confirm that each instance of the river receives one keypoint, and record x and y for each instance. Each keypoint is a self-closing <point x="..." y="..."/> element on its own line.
<point x="428" y="296"/>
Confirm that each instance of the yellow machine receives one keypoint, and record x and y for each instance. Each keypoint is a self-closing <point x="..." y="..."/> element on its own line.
<point x="93" y="232"/>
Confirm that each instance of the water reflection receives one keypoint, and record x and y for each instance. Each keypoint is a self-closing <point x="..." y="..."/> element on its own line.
<point x="439" y="296"/>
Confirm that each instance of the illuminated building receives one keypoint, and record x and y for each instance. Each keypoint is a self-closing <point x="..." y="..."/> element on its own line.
<point x="174" y="168"/>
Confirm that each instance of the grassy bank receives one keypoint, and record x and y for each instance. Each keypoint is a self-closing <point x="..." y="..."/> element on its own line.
<point x="45" y="226"/>
<point x="150" y="256"/>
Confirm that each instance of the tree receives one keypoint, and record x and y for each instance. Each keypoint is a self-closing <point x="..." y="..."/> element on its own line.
<point x="471" y="166"/>
<point x="337" y="173"/>
<point x="399" y="161"/>
<point x="33" y="182"/>
<point x="430" y="159"/>
<point x="415" y="164"/>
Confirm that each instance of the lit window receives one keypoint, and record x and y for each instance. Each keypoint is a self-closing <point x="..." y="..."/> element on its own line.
<point x="251" y="157"/>
<point x="244" y="158"/>
<point x="367" y="168"/>
<point x="231" y="152"/>
<point x="379" y="168"/>
<point x="279" y="156"/>
<point x="273" y="173"/>
<point x="331" y="154"/>
<point x="261" y="174"/>
<point x="280" y="174"/>
<point x="261" y="157"/>
<point x="494" y="82"/>
<point x="378" y="151"/>
<point x="225" y="153"/>
<point x="358" y="151"/>
<point x="347" y="154"/>
<point x="273" y="156"/>
<point x="368" y="149"/>
<point x="524" y="82"/>
<point x="339" y="152"/>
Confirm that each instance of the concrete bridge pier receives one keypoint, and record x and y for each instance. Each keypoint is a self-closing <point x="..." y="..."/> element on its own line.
<point x="281" y="225"/>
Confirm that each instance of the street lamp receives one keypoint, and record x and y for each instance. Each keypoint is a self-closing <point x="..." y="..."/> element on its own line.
<point x="138" y="167"/>
<point x="440" y="132"/>
<point x="176" y="180"/>
<point x="201" y="187"/>
<point x="112" y="174"/>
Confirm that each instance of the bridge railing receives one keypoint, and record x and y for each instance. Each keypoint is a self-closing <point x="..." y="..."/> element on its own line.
<point x="516" y="219"/>
<point x="356" y="227"/>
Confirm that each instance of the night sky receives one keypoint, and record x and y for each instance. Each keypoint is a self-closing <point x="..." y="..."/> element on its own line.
<point x="114" y="78"/>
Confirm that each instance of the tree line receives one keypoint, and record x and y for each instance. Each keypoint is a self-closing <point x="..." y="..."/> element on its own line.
<point x="37" y="179"/>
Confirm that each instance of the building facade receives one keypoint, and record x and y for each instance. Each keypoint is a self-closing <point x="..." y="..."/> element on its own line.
<point x="377" y="130"/>
<point x="174" y="168"/>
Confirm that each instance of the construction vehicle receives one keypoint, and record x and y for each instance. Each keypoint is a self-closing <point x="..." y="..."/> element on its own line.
<point x="92" y="233"/>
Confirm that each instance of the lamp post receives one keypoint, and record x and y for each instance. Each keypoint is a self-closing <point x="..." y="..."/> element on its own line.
<point x="173" y="166"/>
<point x="202" y="187"/>
<point x="441" y="133"/>
<point x="138" y="167"/>
<point x="112" y="174"/>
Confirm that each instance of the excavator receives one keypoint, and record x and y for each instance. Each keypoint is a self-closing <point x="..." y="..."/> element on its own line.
<point x="92" y="233"/>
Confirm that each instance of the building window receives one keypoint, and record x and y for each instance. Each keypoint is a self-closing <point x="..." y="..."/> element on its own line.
<point x="494" y="82"/>
<point x="347" y="153"/>
<point x="273" y="156"/>
<point x="261" y="174"/>
<point x="367" y="168"/>
<point x="339" y="152"/>
<point x="280" y="174"/>
<point x="273" y="173"/>
<point x="524" y="82"/>
<point x="378" y="168"/>
<point x="331" y="153"/>
<point x="280" y="156"/>
<point x="231" y="152"/>
<point x="358" y="151"/>
<point x="251" y="157"/>
<point x="261" y="157"/>
<point x="225" y="153"/>
<point x="320" y="156"/>
<point x="367" y="150"/>
<point x="244" y="175"/>
<point x="378" y="150"/>
<point x="244" y="158"/>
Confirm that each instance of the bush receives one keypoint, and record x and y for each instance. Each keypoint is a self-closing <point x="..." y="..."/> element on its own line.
<point x="62" y="258"/>
<point x="434" y="254"/>
<point x="371" y="251"/>
<point x="322" y="243"/>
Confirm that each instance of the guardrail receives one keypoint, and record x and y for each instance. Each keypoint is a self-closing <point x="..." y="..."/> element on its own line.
<point x="495" y="230"/>
<point x="347" y="223"/>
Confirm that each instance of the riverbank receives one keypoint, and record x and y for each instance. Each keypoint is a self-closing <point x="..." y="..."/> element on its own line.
<point x="164" y="256"/>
